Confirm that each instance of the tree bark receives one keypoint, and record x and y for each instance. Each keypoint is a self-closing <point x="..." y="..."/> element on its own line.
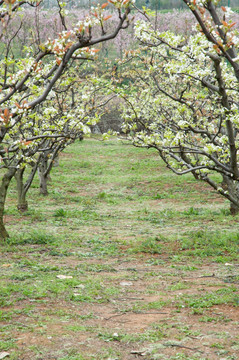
<point x="3" y="193"/>
<point x="3" y="232"/>
<point x="43" y="176"/>
<point x="22" y="188"/>
<point x="232" y="187"/>
<point x="22" y="204"/>
<point x="234" y="209"/>
<point x="45" y="167"/>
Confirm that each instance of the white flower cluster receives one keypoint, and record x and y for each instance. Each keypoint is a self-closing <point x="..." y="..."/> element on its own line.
<point x="59" y="46"/>
<point x="199" y="2"/>
<point x="82" y="25"/>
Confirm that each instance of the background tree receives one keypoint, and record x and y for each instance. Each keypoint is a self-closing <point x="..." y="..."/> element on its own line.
<point x="183" y="98"/>
<point x="78" y="106"/>
<point x="162" y="5"/>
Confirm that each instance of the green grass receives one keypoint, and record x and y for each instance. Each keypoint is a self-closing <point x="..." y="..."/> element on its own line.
<point x="122" y="255"/>
<point x="219" y="244"/>
<point x="226" y="295"/>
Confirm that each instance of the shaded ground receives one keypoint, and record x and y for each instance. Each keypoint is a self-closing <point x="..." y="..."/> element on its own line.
<point x="123" y="261"/>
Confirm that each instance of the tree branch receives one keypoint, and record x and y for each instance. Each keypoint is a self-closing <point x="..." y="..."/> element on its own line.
<point x="81" y="44"/>
<point x="226" y="104"/>
<point x="228" y="54"/>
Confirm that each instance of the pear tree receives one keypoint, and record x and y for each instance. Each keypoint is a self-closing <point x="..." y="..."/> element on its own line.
<point x="182" y="97"/>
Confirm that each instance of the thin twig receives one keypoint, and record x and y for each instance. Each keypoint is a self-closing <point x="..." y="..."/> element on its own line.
<point x="149" y="313"/>
<point x="112" y="316"/>
<point x="130" y="298"/>
<point x="134" y="312"/>
<point x="184" y="347"/>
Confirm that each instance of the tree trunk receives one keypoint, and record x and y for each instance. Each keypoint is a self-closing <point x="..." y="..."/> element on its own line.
<point x="234" y="209"/>
<point x="43" y="176"/>
<point x="3" y="232"/>
<point x="3" y="193"/>
<point x="22" y="188"/>
<point x="232" y="187"/>
<point x="45" y="166"/>
<point x="22" y="204"/>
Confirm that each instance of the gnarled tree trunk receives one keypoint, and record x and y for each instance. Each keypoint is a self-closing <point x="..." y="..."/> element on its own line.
<point x="22" y="188"/>
<point x="43" y="175"/>
<point x="22" y="204"/>
<point x="232" y="187"/>
<point x="3" y="193"/>
<point x="45" y="166"/>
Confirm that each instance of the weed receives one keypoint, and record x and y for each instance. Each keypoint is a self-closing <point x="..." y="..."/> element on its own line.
<point x="191" y="211"/>
<point x="231" y="279"/>
<point x="215" y="319"/>
<point x="96" y="268"/>
<point x="163" y="195"/>
<point x="84" y="164"/>
<point x="7" y="344"/>
<point x="22" y="276"/>
<point x="34" y="215"/>
<point x="156" y="305"/>
<point x="87" y="317"/>
<point x="60" y="253"/>
<point x="102" y="195"/>
<point x="106" y="336"/>
<point x="74" y="356"/>
<point x="155" y="261"/>
<point x="60" y="213"/>
<point x="217" y="345"/>
<point x="178" y="286"/>
<point x="151" y="245"/>
<point x="33" y="238"/>
<point x="5" y="316"/>
<point x="156" y="217"/>
<point x="184" y="267"/>
<point x="77" y="328"/>
<point x="151" y="335"/>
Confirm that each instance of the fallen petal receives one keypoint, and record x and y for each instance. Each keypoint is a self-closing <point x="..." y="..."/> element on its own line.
<point x="64" y="276"/>
<point x="126" y="283"/>
<point x="4" y="354"/>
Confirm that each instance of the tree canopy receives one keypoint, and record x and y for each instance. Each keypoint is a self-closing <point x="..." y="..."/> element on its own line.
<point x="182" y="97"/>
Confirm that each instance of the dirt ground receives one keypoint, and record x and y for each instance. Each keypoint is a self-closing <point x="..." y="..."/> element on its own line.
<point x="132" y="324"/>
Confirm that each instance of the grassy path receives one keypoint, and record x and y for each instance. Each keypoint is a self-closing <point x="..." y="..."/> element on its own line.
<point x="123" y="260"/>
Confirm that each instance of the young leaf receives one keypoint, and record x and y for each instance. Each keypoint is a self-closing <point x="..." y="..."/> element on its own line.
<point x="27" y="142"/>
<point x="107" y="17"/>
<point x="225" y="23"/>
<point x="10" y="1"/>
<point x="104" y="5"/>
<point x="202" y="10"/>
<point x="6" y="113"/>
